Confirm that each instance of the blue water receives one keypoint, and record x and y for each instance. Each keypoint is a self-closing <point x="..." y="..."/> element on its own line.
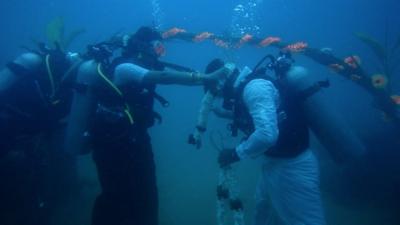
<point x="366" y="192"/>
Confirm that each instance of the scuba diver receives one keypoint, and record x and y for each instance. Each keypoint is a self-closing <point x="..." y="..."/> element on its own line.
<point x="269" y="113"/>
<point x="110" y="114"/>
<point x="35" y="96"/>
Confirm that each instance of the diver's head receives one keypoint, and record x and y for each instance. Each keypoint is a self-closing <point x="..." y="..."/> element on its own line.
<point x="147" y="34"/>
<point x="214" y="65"/>
<point x="227" y="91"/>
<point x="211" y="67"/>
<point x="147" y="41"/>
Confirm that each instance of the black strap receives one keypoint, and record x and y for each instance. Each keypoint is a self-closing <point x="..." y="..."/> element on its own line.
<point x="164" y="102"/>
<point x="314" y="89"/>
<point x="17" y="69"/>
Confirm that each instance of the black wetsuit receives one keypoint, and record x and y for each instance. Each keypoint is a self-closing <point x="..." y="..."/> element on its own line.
<point x="127" y="176"/>
<point x="125" y="165"/>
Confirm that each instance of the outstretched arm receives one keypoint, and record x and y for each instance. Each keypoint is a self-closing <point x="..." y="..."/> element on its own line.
<point x="129" y="72"/>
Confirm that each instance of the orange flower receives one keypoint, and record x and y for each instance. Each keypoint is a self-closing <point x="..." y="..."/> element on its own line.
<point x="246" y="38"/>
<point x="172" y="32"/>
<point x="202" y="36"/>
<point x="221" y="43"/>
<point x="353" y="61"/>
<point x="396" y="99"/>
<point x="297" y="47"/>
<point x="336" y="67"/>
<point x="379" y="81"/>
<point x="268" y="41"/>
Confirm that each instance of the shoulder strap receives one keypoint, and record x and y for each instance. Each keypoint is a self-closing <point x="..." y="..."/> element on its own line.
<point x="316" y="87"/>
<point x="117" y="90"/>
<point x="50" y="75"/>
<point x="108" y="81"/>
<point x="17" y="69"/>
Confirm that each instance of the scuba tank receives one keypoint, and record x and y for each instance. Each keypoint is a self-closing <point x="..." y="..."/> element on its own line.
<point x="328" y="126"/>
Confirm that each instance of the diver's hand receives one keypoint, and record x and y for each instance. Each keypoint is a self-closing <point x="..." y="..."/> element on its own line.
<point x="212" y="80"/>
<point x="195" y="140"/>
<point x="227" y="157"/>
<point x="220" y="74"/>
<point x="226" y="71"/>
<point x="230" y="66"/>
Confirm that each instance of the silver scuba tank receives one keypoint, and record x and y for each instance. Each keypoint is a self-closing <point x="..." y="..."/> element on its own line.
<point x="325" y="122"/>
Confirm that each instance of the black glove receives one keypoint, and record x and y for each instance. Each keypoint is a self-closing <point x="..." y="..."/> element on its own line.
<point x="227" y="157"/>
<point x="236" y="205"/>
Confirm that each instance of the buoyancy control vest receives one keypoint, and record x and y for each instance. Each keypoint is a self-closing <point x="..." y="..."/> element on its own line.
<point x="125" y="110"/>
<point x="293" y="136"/>
<point x="38" y="100"/>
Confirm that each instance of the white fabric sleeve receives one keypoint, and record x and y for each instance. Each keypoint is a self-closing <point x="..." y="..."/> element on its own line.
<point x="261" y="99"/>
<point x="129" y="72"/>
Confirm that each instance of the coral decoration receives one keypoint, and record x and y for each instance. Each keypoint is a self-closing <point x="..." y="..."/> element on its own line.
<point x="336" y="67"/>
<point x="296" y="47"/>
<point x="172" y="32"/>
<point x="355" y="77"/>
<point x="268" y="41"/>
<point x="245" y="38"/>
<point x="202" y="36"/>
<point x="353" y="61"/>
<point x="396" y="99"/>
<point x="379" y="81"/>
<point x="221" y="43"/>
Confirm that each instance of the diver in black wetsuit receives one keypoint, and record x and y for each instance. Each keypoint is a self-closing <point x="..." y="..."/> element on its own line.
<point x="35" y="96"/>
<point x="118" y="98"/>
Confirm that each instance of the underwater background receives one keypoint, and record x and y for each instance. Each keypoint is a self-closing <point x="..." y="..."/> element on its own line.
<point x="366" y="191"/>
